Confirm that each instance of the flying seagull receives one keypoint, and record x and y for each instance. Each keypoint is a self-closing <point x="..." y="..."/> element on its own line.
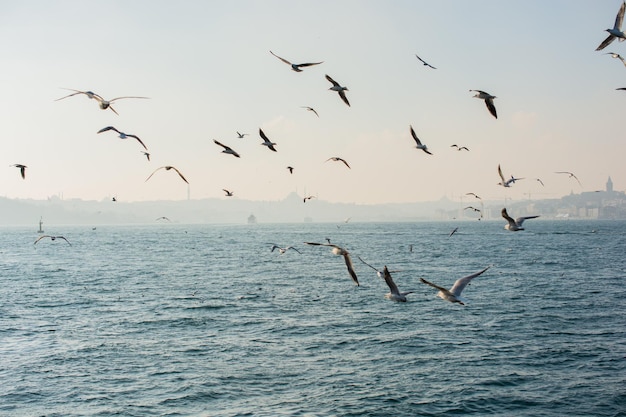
<point x="418" y="143"/>
<point x="459" y="148"/>
<point x="122" y="135"/>
<point x="424" y="62"/>
<point x="338" y="88"/>
<point x="453" y="231"/>
<point x="52" y="238"/>
<point x="307" y="198"/>
<point x="571" y="175"/>
<point x="488" y="101"/>
<point x="475" y="195"/>
<point x="146" y="154"/>
<point x="337" y="159"/>
<point x="104" y="104"/>
<point x="163" y="218"/>
<point x="167" y="168"/>
<point x="539" y="181"/>
<point x="241" y="135"/>
<point x="22" y="169"/>
<point x="394" y="293"/>
<point x="311" y="109"/>
<point x="474" y="209"/>
<point x="283" y="250"/>
<point x="454" y="294"/>
<point x="616" y="31"/>
<point x="346" y="257"/>
<point x="227" y="149"/>
<point x="296" y="67"/>
<point x="228" y="192"/>
<point x="266" y="141"/>
<point x="506" y="183"/>
<point x="618" y="56"/>
<point x="290" y="168"/>
<point x="515" y="225"/>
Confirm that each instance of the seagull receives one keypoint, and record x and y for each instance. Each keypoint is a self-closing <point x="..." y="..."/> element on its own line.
<point x="540" y="182"/>
<point x="459" y="148"/>
<point x="22" y="169"/>
<point x="311" y="109"/>
<point x="454" y="231"/>
<point x="454" y="294"/>
<point x="394" y="293"/>
<point x="241" y="135"/>
<point x="296" y="67"/>
<point x="290" y="168"/>
<point x="114" y="199"/>
<point x="104" y="104"/>
<point x="616" y="55"/>
<point x="167" y="168"/>
<point x="52" y="238"/>
<point x="571" y="175"/>
<point x="474" y="209"/>
<point x="227" y="149"/>
<point x="337" y="159"/>
<point x="475" y="195"/>
<point x="122" y="135"/>
<point x="488" y="101"/>
<point x="616" y="31"/>
<point x="163" y="218"/>
<point x="338" y="88"/>
<point x="621" y="88"/>
<point x="515" y="225"/>
<point x="506" y="183"/>
<point x="266" y="141"/>
<point x="346" y="257"/>
<point x="424" y="62"/>
<point x="283" y="250"/>
<point x="307" y="198"/>
<point x="146" y="154"/>
<point x="228" y="193"/>
<point x="379" y="273"/>
<point x="418" y="142"/>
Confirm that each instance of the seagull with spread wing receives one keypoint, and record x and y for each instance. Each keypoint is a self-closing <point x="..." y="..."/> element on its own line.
<point x="104" y="104"/>
<point x="266" y="141"/>
<point x="227" y="149"/>
<point x="167" y="168"/>
<point x="424" y="62"/>
<point x="488" y="101"/>
<point x="296" y="67"/>
<point x="339" y="89"/>
<point x="515" y="225"/>
<point x="337" y="250"/>
<point x="615" y="32"/>
<point x="418" y="143"/>
<point x="122" y="135"/>
<point x="454" y="294"/>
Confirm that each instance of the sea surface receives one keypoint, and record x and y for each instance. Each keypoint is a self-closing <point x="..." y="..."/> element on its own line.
<point x="204" y="320"/>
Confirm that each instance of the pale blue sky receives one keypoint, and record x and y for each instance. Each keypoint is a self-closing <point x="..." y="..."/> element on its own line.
<point x="208" y="72"/>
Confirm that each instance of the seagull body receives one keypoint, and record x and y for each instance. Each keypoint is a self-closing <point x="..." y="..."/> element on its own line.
<point x="22" y="169"/>
<point x="616" y="31"/>
<point x="617" y="56"/>
<point x="311" y="109"/>
<point x="424" y="62"/>
<point x="296" y="67"/>
<point x="571" y="175"/>
<point x="266" y="141"/>
<point x="418" y="143"/>
<point x="167" y="168"/>
<point x="227" y="149"/>
<point x="515" y="225"/>
<point x="488" y="101"/>
<point x="241" y="135"/>
<point x="290" y="168"/>
<point x="283" y="250"/>
<point x="394" y="293"/>
<point x="338" y="159"/>
<point x="104" y="104"/>
<point x="228" y="192"/>
<point x="122" y="135"/>
<point x="337" y="250"/>
<point x="454" y="294"/>
<point x="52" y="238"/>
<point x="339" y="89"/>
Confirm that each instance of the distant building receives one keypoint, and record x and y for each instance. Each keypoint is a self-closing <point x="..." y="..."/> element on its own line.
<point x="252" y="219"/>
<point x="609" y="186"/>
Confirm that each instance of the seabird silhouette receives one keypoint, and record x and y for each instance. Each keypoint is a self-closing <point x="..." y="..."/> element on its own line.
<point x="52" y="238"/>
<point x="227" y="149"/>
<point x="338" y="159"/>
<point x="418" y="143"/>
<point x="122" y="135"/>
<point x="488" y="101"/>
<point x="424" y="62"/>
<point x="22" y="169"/>
<point x="339" y="89"/>
<point x="296" y="67"/>
<point x="616" y="31"/>
<point x="167" y="168"/>
<point x="266" y="141"/>
<point x="104" y="104"/>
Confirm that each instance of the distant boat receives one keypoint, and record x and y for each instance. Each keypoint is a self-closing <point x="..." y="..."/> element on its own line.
<point x="252" y="219"/>
<point x="40" y="225"/>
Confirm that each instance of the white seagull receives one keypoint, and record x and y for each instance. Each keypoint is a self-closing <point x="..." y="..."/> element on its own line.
<point x="394" y="293"/>
<point x="617" y="56"/>
<point x="337" y="250"/>
<point x="266" y="141"/>
<point x="515" y="225"/>
<point x="506" y="183"/>
<point x="571" y="175"/>
<point x="418" y="143"/>
<point x="296" y="67"/>
<point x="488" y="101"/>
<point x="227" y="149"/>
<point x="338" y="159"/>
<point x="283" y="250"/>
<point x="122" y="135"/>
<point x="616" y="31"/>
<point x="338" y="88"/>
<point x="454" y="294"/>
<point x="167" y="168"/>
<point x="104" y="104"/>
<point x="311" y="109"/>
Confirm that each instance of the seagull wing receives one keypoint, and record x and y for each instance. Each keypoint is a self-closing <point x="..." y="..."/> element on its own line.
<point x="507" y="217"/>
<point x="392" y="285"/>
<point x="153" y="172"/>
<point x="445" y="290"/>
<point x="620" y="17"/>
<point x="119" y="98"/>
<point x="344" y="161"/>
<point x="62" y="237"/>
<point x="335" y="83"/>
<point x="605" y="42"/>
<point x="491" y="107"/>
<point x="291" y="247"/>
<point x="500" y="174"/>
<point x="360" y="259"/>
<point x="180" y="174"/>
<point x="346" y="257"/>
<point x="520" y="220"/>
<point x="138" y="140"/>
<point x="262" y="134"/>
<point x="40" y="237"/>
<point x="308" y="64"/>
<point x="342" y="94"/>
<point x="282" y="59"/>
<point x="461" y="283"/>
<point x="105" y="129"/>
<point x="417" y="141"/>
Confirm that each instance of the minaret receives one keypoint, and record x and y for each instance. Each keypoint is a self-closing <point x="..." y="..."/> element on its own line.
<point x="609" y="185"/>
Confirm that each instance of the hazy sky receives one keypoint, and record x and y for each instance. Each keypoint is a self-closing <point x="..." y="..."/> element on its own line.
<point x="208" y="72"/>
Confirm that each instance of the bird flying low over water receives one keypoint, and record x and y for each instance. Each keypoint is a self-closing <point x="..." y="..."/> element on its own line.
<point x="337" y="250"/>
<point x="163" y="218"/>
<point x="515" y="225"/>
<point x="122" y="135"/>
<point x="228" y="192"/>
<point x="394" y="293"/>
<point x="424" y="62"/>
<point x="488" y="101"/>
<point x="283" y="250"/>
<point x="454" y="231"/>
<point x="52" y="238"/>
<point x="454" y="294"/>
<point x="616" y="31"/>
<point x="338" y="159"/>
<point x="339" y="89"/>
<point x="617" y="56"/>
<point x="167" y="168"/>
<point x="227" y="149"/>
<point x="296" y="67"/>
<point x="104" y="104"/>
<point x="266" y="141"/>
<point x="418" y="143"/>
<point x="311" y="109"/>
<point x="571" y="175"/>
<point x="22" y="169"/>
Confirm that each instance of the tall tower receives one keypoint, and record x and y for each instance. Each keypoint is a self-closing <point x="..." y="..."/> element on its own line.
<point x="609" y="185"/>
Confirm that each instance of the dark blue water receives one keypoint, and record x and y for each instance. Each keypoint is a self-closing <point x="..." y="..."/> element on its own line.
<point x="180" y="320"/>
